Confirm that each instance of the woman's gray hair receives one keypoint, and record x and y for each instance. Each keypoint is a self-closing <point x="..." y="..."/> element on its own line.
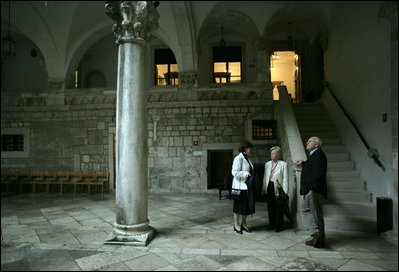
<point x="277" y="148"/>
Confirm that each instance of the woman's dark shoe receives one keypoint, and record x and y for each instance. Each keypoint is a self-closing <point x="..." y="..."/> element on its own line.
<point x="238" y="231"/>
<point x="279" y="229"/>
<point x="270" y="227"/>
<point x="246" y="229"/>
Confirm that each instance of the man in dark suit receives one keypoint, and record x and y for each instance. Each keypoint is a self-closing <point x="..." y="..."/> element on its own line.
<point x="313" y="187"/>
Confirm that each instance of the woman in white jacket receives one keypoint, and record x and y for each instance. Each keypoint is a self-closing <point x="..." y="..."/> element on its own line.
<point x="276" y="175"/>
<point x="241" y="170"/>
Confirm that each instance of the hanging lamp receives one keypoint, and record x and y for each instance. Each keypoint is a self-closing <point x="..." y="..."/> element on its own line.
<point x="8" y="44"/>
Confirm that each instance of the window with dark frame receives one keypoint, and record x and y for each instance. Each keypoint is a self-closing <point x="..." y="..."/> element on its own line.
<point x="166" y="72"/>
<point x="264" y="129"/>
<point x="12" y="142"/>
<point x="227" y="64"/>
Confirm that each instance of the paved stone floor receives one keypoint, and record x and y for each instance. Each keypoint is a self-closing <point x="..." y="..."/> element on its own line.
<point x="195" y="232"/>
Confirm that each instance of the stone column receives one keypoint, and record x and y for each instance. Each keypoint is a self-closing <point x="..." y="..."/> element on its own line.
<point x="134" y="19"/>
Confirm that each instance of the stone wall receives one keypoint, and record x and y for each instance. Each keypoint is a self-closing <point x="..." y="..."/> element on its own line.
<point x="73" y="130"/>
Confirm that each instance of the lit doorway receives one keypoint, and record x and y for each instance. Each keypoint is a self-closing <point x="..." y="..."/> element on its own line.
<point x="285" y="70"/>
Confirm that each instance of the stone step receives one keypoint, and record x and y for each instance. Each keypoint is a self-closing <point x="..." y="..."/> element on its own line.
<point x="350" y="223"/>
<point x="352" y="209"/>
<point x="307" y="118"/>
<point x="333" y="148"/>
<point x="342" y="156"/>
<point x="345" y="186"/>
<point x="335" y="197"/>
<point x="331" y="141"/>
<point x="340" y="165"/>
<point x="342" y="174"/>
<point x="343" y="179"/>
<point x="311" y="123"/>
<point x="317" y="130"/>
<point x="320" y="134"/>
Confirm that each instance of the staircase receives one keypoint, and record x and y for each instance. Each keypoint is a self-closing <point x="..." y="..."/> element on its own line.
<point x="349" y="206"/>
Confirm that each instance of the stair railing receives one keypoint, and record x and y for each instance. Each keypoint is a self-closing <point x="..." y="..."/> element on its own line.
<point x="371" y="152"/>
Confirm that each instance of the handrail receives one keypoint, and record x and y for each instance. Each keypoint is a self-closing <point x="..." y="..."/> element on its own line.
<point x="371" y="152"/>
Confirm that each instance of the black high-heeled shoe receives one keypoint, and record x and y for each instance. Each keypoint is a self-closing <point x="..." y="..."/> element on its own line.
<point x="246" y="229"/>
<point x="238" y="231"/>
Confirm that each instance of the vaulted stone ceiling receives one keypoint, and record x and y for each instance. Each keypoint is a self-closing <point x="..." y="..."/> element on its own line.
<point x="63" y="31"/>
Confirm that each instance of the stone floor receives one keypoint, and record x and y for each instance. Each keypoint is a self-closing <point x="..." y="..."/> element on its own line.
<point x="195" y="232"/>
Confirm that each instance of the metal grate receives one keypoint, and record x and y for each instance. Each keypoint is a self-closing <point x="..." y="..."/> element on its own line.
<point x="12" y="142"/>
<point x="263" y="129"/>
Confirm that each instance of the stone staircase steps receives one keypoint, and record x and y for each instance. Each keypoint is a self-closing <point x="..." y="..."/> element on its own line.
<point x="348" y="206"/>
<point x="340" y="165"/>
<point x="348" y="196"/>
<point x="350" y="209"/>
<point x="334" y="149"/>
<point x="350" y="223"/>
<point x="345" y="186"/>
<point x="342" y="174"/>
<point x="337" y="157"/>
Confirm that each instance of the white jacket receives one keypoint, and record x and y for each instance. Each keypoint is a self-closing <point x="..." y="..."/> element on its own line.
<point x="280" y="173"/>
<point x="240" y="172"/>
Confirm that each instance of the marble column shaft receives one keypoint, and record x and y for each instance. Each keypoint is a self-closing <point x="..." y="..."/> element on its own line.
<point x="134" y="19"/>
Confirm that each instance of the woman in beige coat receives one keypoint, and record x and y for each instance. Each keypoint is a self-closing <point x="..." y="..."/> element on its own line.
<point x="276" y="175"/>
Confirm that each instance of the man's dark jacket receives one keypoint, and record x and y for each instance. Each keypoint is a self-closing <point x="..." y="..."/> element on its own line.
<point x="313" y="175"/>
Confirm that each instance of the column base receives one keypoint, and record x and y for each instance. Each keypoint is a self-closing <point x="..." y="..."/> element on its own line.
<point x="134" y="235"/>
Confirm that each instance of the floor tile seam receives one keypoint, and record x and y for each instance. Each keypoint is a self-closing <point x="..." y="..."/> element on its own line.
<point x="277" y="266"/>
<point x="379" y="257"/>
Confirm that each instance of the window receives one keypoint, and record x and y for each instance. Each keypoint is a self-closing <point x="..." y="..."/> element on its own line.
<point x="263" y="129"/>
<point x="166" y="72"/>
<point x="227" y="64"/>
<point x="12" y="142"/>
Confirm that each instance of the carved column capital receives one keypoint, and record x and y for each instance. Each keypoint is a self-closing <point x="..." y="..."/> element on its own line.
<point x="133" y="19"/>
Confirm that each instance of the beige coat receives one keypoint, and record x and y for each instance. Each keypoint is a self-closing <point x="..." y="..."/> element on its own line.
<point x="280" y="173"/>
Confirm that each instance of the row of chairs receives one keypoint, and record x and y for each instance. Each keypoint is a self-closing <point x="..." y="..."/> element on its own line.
<point x="74" y="179"/>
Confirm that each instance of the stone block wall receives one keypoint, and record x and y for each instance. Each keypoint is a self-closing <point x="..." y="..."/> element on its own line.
<point x="73" y="131"/>
<point x="174" y="159"/>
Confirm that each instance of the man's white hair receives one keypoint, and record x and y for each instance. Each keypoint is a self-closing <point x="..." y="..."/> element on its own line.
<point x="317" y="140"/>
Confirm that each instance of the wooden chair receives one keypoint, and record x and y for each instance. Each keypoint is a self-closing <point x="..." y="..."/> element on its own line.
<point x="49" y="178"/>
<point x="82" y="178"/>
<point x="62" y="179"/>
<point x="73" y="178"/>
<point x="100" y="178"/>
<point x="36" y="177"/>
<point x="5" y="179"/>
<point x="23" y="177"/>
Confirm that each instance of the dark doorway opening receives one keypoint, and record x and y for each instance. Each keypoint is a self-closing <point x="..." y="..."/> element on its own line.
<point x="219" y="163"/>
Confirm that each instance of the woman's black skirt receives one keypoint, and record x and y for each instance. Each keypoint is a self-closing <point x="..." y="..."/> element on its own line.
<point x="242" y="206"/>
